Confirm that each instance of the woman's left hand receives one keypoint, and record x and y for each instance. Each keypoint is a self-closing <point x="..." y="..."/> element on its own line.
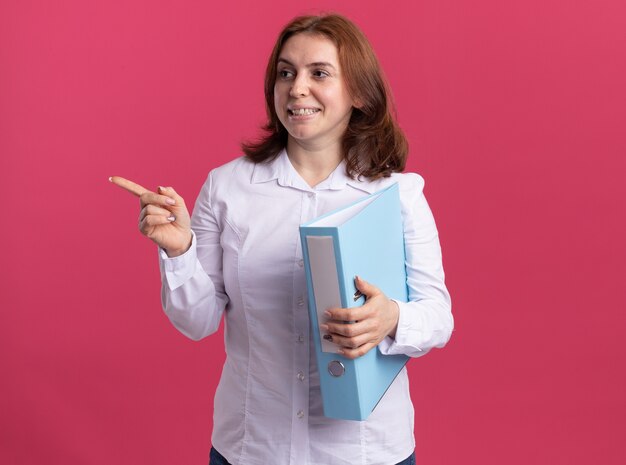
<point x="373" y="321"/>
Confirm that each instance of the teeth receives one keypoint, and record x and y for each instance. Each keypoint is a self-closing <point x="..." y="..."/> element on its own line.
<point x="304" y="111"/>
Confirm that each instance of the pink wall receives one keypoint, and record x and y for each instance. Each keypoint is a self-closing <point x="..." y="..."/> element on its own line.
<point x="516" y="113"/>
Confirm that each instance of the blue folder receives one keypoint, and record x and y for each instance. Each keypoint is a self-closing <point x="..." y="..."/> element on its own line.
<point x="366" y="239"/>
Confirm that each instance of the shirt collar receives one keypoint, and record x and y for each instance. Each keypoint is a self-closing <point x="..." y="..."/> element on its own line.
<point x="281" y="169"/>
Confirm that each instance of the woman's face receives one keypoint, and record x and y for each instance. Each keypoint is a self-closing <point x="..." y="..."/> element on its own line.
<point x="310" y="96"/>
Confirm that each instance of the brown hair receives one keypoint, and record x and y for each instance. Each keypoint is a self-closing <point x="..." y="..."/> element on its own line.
<point x="373" y="144"/>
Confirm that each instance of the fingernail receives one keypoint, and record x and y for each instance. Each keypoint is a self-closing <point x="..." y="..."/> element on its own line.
<point x="171" y="218"/>
<point x="327" y="313"/>
<point x="324" y="327"/>
<point x="161" y="188"/>
<point x="328" y="337"/>
<point x="170" y="201"/>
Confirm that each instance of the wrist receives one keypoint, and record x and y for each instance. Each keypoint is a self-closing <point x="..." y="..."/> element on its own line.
<point x="171" y="253"/>
<point x="395" y="311"/>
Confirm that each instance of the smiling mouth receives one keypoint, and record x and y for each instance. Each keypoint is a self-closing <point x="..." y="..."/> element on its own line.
<point x="303" y="111"/>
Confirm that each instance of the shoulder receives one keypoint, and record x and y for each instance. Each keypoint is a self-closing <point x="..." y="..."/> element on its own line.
<point x="224" y="181"/>
<point x="407" y="182"/>
<point x="240" y="168"/>
<point x="411" y="185"/>
<point x="234" y="173"/>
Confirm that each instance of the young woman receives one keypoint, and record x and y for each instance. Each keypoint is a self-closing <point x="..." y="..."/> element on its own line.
<point x="330" y="139"/>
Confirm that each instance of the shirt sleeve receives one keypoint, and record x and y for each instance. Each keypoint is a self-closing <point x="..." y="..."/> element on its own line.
<point x="425" y="321"/>
<point x="192" y="284"/>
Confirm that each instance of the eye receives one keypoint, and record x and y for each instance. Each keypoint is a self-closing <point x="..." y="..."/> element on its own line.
<point x="320" y="73"/>
<point x="284" y="74"/>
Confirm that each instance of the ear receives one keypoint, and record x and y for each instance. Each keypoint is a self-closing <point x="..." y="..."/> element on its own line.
<point x="357" y="103"/>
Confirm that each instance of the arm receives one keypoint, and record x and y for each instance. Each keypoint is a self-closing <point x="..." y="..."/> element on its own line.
<point x="426" y="320"/>
<point x="192" y="291"/>
<point x="411" y="328"/>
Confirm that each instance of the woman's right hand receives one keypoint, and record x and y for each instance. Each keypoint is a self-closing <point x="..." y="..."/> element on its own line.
<point x="163" y="218"/>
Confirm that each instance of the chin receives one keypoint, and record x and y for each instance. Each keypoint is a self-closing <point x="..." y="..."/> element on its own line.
<point x="300" y="135"/>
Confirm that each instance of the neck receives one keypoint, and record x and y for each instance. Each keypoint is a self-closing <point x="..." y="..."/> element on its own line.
<point x="314" y="164"/>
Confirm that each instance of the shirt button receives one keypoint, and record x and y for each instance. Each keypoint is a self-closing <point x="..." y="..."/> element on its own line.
<point x="300" y="263"/>
<point x="311" y="195"/>
<point x="300" y="414"/>
<point x="300" y="301"/>
<point x="301" y="376"/>
<point x="301" y="338"/>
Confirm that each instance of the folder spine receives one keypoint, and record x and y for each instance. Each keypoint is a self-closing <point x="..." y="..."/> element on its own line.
<point x="334" y="398"/>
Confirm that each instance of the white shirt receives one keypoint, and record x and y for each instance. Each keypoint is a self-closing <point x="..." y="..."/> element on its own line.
<point x="245" y="262"/>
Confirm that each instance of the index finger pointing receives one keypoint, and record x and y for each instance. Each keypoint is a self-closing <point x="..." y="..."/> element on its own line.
<point x="130" y="186"/>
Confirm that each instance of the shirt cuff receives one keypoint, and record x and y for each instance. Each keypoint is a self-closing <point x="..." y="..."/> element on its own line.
<point x="401" y="344"/>
<point x="178" y="270"/>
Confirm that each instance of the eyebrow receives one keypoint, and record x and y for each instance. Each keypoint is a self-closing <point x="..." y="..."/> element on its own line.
<point x="310" y="65"/>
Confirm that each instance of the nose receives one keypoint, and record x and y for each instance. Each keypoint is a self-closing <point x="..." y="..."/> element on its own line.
<point x="300" y="86"/>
